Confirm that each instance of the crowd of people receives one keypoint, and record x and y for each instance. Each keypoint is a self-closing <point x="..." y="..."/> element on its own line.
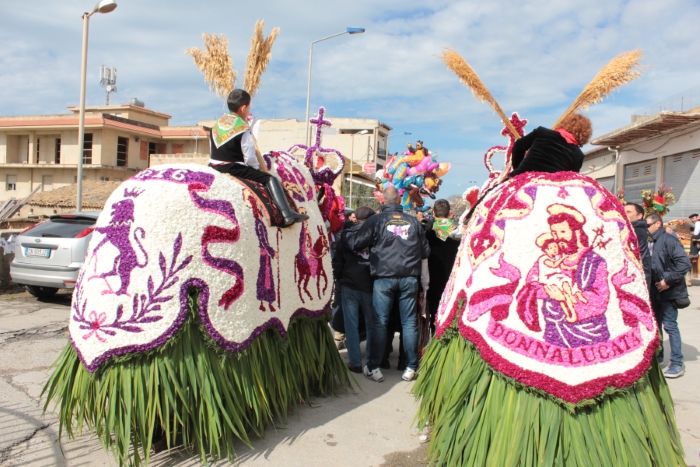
<point x="383" y="260"/>
<point x="381" y="263"/>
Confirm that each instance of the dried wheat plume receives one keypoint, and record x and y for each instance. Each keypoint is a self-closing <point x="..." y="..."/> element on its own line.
<point x="619" y="71"/>
<point x="468" y="76"/>
<point x="258" y="57"/>
<point x="216" y="64"/>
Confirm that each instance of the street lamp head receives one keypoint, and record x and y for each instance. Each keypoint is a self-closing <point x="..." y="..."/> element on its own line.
<point x="105" y="6"/>
<point x="363" y="132"/>
<point x="355" y="30"/>
<point x="407" y="133"/>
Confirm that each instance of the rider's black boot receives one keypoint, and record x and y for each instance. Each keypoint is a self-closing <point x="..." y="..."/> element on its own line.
<point x="274" y="187"/>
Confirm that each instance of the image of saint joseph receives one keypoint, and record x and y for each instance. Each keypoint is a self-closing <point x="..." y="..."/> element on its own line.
<point x="573" y="311"/>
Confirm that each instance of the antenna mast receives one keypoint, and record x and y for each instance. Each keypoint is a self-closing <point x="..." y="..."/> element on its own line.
<point x="108" y="79"/>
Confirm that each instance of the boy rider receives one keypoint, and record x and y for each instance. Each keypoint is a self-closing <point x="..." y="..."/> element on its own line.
<point x="233" y="152"/>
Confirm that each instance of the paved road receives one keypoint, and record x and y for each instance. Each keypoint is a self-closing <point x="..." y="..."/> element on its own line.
<point x="372" y="427"/>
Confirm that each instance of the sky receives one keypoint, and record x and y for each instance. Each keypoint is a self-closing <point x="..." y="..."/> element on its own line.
<point x="535" y="57"/>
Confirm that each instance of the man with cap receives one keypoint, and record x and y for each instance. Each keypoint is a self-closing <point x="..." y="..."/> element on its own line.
<point x="352" y="273"/>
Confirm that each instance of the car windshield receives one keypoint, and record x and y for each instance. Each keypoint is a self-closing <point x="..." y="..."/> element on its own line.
<point x="59" y="228"/>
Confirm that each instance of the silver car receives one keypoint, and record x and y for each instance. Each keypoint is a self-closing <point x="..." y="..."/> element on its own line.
<point x="49" y="255"/>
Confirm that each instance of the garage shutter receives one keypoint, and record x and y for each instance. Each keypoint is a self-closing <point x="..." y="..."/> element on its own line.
<point x="608" y="183"/>
<point x="682" y="174"/>
<point x="639" y="177"/>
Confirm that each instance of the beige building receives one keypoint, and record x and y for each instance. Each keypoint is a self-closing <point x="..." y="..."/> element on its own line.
<point x="40" y="152"/>
<point x="655" y="149"/>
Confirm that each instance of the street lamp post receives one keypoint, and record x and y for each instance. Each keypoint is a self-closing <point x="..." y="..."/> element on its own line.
<point x="308" y="86"/>
<point x="105" y="6"/>
<point x="352" y="160"/>
<point x="405" y="133"/>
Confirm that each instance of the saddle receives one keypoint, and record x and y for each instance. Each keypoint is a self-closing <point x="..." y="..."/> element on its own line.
<point x="272" y="213"/>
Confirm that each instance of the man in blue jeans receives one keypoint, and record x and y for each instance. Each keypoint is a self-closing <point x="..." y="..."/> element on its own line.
<point x="351" y="272"/>
<point x="397" y="245"/>
<point x="669" y="264"/>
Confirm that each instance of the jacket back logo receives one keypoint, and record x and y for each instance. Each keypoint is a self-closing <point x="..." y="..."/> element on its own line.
<point x="399" y="230"/>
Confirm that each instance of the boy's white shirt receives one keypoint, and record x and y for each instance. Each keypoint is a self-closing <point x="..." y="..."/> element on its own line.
<point x="248" y="148"/>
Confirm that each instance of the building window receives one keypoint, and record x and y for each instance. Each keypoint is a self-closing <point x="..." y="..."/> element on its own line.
<point x="122" y="150"/>
<point x="104" y="179"/>
<point x="47" y="183"/>
<point x="87" y="149"/>
<point x="57" y="152"/>
<point x="75" y="178"/>
<point x="38" y="141"/>
<point x="11" y="183"/>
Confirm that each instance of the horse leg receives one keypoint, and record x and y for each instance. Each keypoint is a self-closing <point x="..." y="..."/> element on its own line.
<point x="262" y="306"/>
<point x="307" y="278"/>
<point x="300" y="278"/>
<point x="318" y="284"/>
<point x="322" y="274"/>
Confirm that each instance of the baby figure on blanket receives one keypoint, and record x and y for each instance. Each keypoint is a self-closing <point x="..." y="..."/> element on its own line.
<point x="552" y="274"/>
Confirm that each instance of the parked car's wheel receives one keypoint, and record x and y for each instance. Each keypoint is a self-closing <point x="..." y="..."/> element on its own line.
<point x="41" y="292"/>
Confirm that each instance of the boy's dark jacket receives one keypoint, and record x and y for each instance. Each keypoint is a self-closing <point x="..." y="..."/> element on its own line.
<point x="547" y="151"/>
<point x="397" y="242"/>
<point x="440" y="264"/>
<point x="670" y="263"/>
<point x="351" y="269"/>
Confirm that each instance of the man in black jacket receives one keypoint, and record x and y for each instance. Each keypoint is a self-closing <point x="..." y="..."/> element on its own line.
<point x="669" y="264"/>
<point x="635" y="214"/>
<point x="398" y="244"/>
<point x="351" y="272"/>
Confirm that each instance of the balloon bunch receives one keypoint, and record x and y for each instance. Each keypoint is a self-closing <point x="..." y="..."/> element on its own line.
<point x="416" y="173"/>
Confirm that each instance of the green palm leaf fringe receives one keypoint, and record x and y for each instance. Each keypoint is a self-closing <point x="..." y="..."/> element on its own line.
<point x="194" y="393"/>
<point x="480" y="417"/>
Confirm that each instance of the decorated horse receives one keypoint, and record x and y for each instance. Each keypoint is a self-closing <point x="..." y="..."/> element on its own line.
<point x="546" y="344"/>
<point x="181" y="312"/>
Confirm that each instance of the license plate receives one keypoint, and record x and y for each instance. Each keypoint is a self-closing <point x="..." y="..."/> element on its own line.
<point x="37" y="252"/>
